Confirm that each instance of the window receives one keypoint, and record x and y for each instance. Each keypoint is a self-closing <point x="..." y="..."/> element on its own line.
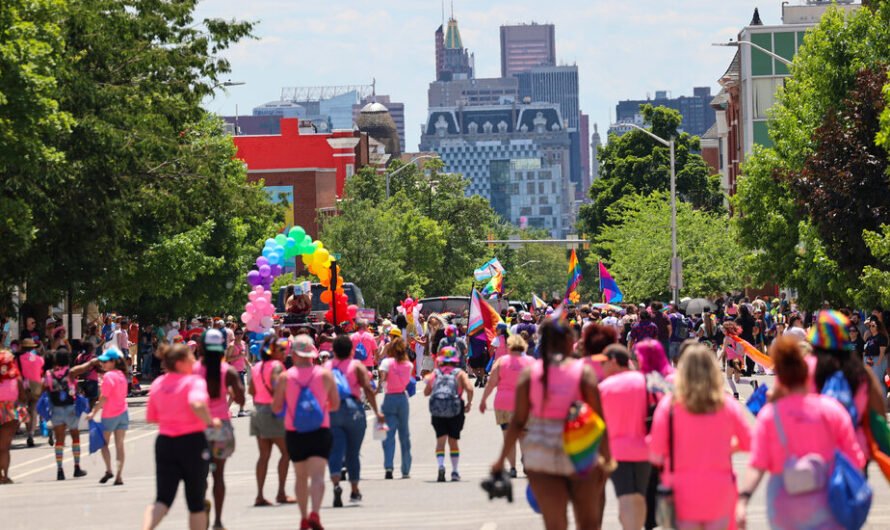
<point x="530" y="188"/>
<point x="764" y="95"/>
<point x="546" y="210"/>
<point x="350" y="170"/>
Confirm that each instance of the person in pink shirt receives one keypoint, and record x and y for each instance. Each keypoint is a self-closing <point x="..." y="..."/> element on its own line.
<point x="797" y="423"/>
<point x="395" y="373"/>
<point x="236" y="356"/>
<point x="222" y="381"/>
<point x="265" y="425"/>
<point x="308" y="450"/>
<point x="365" y="339"/>
<point x="178" y="402"/>
<point x="624" y="398"/>
<point x="445" y="387"/>
<point x="735" y="359"/>
<point x="31" y="364"/>
<point x="504" y="377"/>
<point x="694" y="433"/>
<point x="544" y="395"/>
<point x="113" y="404"/>
<point x="11" y="389"/>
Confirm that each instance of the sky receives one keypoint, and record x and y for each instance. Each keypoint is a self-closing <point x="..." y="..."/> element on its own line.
<point x="623" y="49"/>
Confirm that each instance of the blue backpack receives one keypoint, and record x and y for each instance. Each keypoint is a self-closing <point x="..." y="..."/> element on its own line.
<point x="308" y="415"/>
<point x="849" y="495"/>
<point x="342" y="383"/>
<point x="757" y="400"/>
<point x="838" y="388"/>
<point x="360" y="352"/>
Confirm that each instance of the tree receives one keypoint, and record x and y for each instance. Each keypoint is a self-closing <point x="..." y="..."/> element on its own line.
<point x="636" y="247"/>
<point x="875" y="280"/>
<point x="31" y="49"/>
<point x="636" y="163"/>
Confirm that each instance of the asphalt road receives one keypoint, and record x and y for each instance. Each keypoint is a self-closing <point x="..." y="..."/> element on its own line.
<point x="37" y="500"/>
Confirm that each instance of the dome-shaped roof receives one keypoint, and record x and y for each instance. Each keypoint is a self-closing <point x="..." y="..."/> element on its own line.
<point x="374" y="107"/>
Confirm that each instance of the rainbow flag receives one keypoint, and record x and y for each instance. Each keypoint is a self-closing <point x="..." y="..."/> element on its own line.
<point x="584" y="430"/>
<point x="537" y="303"/>
<point x="482" y="317"/>
<point x="878" y="436"/>
<point x="574" y="274"/>
<point x="756" y="355"/>
<point x="495" y="286"/>
<point x="611" y="293"/>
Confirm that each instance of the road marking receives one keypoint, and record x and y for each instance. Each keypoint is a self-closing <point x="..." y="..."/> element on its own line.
<point x="489" y="526"/>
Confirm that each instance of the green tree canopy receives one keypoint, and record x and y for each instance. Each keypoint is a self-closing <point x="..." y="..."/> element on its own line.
<point x="636" y="163"/>
<point x="636" y="247"/>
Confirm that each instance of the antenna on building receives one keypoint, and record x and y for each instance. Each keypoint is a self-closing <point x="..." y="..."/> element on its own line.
<point x="374" y="89"/>
<point x="443" y="12"/>
<point x="452" y="9"/>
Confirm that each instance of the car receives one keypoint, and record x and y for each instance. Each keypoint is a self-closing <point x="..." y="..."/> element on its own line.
<point x="444" y="304"/>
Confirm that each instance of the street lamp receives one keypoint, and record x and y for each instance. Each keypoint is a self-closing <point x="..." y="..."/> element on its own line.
<point x="410" y="163"/>
<point x="528" y="263"/>
<point x="229" y="83"/>
<point x="735" y="44"/>
<point x="675" y="260"/>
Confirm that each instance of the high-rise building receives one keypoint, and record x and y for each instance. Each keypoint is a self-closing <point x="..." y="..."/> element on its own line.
<point x="553" y="84"/>
<point x="473" y="92"/>
<point x="453" y="61"/>
<point x="583" y="135"/>
<point x="516" y="156"/>
<point x="698" y="116"/>
<point x="525" y="46"/>
<point x="284" y="109"/>
<point x="596" y="144"/>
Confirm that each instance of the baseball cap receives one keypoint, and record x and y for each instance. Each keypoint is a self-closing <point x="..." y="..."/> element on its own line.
<point x="304" y="346"/>
<point x="395" y="332"/>
<point x="111" y="354"/>
<point x="50" y="321"/>
<point x="214" y="340"/>
<point x="448" y="355"/>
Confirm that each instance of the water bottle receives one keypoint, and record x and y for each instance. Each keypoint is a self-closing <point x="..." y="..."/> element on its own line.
<point x="43" y="430"/>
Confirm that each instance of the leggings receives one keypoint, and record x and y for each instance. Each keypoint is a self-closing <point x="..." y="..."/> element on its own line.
<point x="182" y="458"/>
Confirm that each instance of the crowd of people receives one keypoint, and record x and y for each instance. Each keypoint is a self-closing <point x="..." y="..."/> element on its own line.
<point x="663" y="382"/>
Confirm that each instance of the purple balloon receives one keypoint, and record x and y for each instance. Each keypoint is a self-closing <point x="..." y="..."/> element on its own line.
<point x="276" y="270"/>
<point x="260" y="261"/>
<point x="265" y="271"/>
<point x="254" y="278"/>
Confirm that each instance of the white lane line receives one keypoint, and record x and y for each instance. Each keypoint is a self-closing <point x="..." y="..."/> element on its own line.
<point x="489" y="526"/>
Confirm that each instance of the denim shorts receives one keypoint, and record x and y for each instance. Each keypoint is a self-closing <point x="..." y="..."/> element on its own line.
<point x="65" y="415"/>
<point x="121" y="422"/>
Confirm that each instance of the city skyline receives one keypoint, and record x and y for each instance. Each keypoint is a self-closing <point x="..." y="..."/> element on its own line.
<point x="669" y="47"/>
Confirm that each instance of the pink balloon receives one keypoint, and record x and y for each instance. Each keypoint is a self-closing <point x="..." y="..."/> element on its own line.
<point x="252" y="296"/>
<point x="250" y="308"/>
<point x="246" y="317"/>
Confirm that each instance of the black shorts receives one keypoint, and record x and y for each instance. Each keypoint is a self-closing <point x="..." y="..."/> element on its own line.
<point x="182" y="458"/>
<point x="449" y="427"/>
<point x="303" y="445"/>
<point x="478" y="362"/>
<point x="631" y="477"/>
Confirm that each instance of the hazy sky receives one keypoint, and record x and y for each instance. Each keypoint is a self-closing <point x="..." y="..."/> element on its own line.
<point x="623" y="49"/>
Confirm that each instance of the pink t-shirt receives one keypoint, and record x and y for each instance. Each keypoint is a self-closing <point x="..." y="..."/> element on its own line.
<point x="813" y="424"/>
<point x="9" y="390"/>
<point x="239" y="356"/>
<point x="367" y="339"/>
<point x="219" y="405"/>
<point x="509" y="370"/>
<point x="596" y="366"/>
<point x="732" y="350"/>
<point x="703" y="480"/>
<point x="261" y="375"/>
<point x="299" y="377"/>
<point x="563" y="389"/>
<point x="114" y="389"/>
<point x="169" y="403"/>
<point x="397" y="375"/>
<point x="500" y="347"/>
<point x="624" y="405"/>
<point x="349" y="367"/>
<point x="32" y="366"/>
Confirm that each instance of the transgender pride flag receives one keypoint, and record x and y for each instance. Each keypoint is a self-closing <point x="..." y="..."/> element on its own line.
<point x="611" y="292"/>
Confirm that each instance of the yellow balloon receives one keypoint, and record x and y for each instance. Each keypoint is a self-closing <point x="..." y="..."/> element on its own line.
<point x="321" y="256"/>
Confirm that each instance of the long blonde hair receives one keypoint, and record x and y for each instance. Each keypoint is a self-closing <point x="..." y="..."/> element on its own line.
<point x="699" y="385"/>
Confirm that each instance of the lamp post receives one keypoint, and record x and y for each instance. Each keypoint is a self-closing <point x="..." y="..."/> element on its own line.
<point x="410" y="163"/>
<point x="736" y="43"/>
<point x="676" y="266"/>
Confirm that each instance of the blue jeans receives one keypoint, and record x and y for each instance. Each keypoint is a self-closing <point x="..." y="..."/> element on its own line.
<point x="878" y="370"/>
<point x="348" y="429"/>
<point x="395" y="411"/>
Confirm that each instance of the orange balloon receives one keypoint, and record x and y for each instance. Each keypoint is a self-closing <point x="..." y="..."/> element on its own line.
<point x="324" y="276"/>
<point x="340" y="291"/>
<point x="326" y="297"/>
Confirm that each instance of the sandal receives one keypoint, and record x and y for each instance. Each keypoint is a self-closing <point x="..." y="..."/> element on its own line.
<point x="261" y="502"/>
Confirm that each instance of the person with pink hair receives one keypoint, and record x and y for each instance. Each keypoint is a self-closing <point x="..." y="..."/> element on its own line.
<point x="651" y="358"/>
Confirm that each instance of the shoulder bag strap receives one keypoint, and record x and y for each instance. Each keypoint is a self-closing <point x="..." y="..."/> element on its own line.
<point x="671" y="438"/>
<point x="780" y="432"/>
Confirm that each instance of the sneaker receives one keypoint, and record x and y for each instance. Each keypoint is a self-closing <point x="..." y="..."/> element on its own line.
<point x="304" y="524"/>
<point x="243" y="413"/>
<point x="755" y="384"/>
<point x="355" y="497"/>
<point x="736" y="395"/>
<point x="441" y="475"/>
<point x="106" y="477"/>
<point x="388" y="475"/>
<point x="455" y="476"/>
<point x="30" y="441"/>
<point x="405" y="476"/>
<point x="315" y="521"/>
<point x="51" y="441"/>
<point x="79" y="472"/>
<point x="60" y="474"/>
<point x="338" y="497"/>
<point x="513" y="472"/>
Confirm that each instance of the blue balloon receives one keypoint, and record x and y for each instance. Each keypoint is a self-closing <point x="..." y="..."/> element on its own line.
<point x="532" y="501"/>
<point x="270" y="242"/>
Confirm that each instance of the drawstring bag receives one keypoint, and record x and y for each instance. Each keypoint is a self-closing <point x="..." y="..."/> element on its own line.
<point x="757" y="400"/>
<point x="849" y="495"/>
<point x="97" y="436"/>
<point x="308" y="414"/>
<point x="45" y="407"/>
<point x="837" y="387"/>
<point x="581" y="436"/>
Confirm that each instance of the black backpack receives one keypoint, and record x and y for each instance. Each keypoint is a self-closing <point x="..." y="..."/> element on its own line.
<point x="61" y="394"/>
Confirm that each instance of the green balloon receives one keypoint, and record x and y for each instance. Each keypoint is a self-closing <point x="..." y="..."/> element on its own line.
<point x="281" y="239"/>
<point x="297" y="233"/>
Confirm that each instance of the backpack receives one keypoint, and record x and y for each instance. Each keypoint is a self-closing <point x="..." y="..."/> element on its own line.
<point x="444" y="399"/>
<point x="361" y="353"/>
<point x="342" y="383"/>
<point x="837" y="387"/>
<point x="682" y="331"/>
<point x="308" y="415"/>
<point x="60" y="394"/>
<point x="849" y="494"/>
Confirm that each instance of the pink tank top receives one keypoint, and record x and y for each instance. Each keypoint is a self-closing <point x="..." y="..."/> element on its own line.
<point x="509" y="370"/>
<point x="240" y="361"/>
<point x="349" y="369"/>
<point x="299" y="377"/>
<point x="596" y="366"/>
<point x="261" y="374"/>
<point x="501" y="348"/>
<point x="219" y="405"/>
<point x="563" y="389"/>
<point x="398" y="377"/>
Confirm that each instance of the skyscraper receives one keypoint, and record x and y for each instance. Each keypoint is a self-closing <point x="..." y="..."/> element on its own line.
<point x="525" y="46"/>
<point x="453" y="61"/>
<point x="698" y="116"/>
<point x="553" y="84"/>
